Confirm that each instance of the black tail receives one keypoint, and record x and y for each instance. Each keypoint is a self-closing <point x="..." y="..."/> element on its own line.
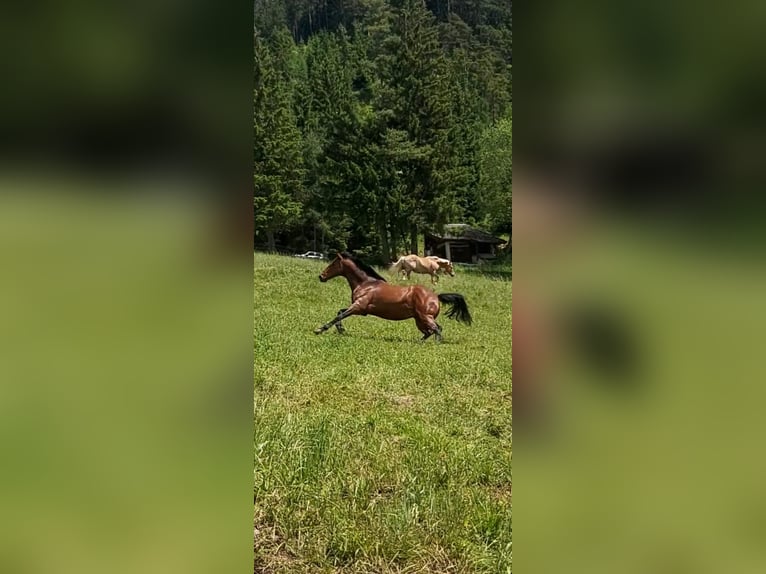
<point x="459" y="309"/>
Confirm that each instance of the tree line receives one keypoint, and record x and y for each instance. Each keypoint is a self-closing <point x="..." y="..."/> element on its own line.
<point x="376" y="120"/>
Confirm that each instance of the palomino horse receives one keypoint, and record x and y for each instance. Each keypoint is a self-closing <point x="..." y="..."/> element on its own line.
<point x="371" y="295"/>
<point x="427" y="265"/>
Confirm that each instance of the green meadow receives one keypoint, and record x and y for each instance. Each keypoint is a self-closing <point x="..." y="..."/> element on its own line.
<point x="374" y="451"/>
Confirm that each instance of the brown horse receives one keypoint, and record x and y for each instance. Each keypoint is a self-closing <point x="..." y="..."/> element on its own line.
<point x="426" y="265"/>
<point x="371" y="295"/>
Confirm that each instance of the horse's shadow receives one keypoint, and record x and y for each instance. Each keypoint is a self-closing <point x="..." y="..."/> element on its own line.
<point x="390" y="338"/>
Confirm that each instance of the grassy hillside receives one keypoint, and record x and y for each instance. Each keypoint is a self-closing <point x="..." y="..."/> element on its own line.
<point x="375" y="452"/>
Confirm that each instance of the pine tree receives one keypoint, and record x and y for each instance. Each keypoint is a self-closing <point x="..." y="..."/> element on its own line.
<point x="495" y="196"/>
<point x="380" y="122"/>
<point x="418" y="102"/>
<point x="278" y="169"/>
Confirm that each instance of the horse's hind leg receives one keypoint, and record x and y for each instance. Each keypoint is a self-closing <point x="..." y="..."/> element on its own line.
<point x="433" y="327"/>
<point x="424" y="328"/>
<point x="437" y="332"/>
<point x="429" y="327"/>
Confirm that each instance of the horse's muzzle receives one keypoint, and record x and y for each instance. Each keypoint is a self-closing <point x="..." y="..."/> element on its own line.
<point x="322" y="279"/>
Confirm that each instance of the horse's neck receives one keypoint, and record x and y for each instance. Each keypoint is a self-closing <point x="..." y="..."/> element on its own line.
<point x="354" y="276"/>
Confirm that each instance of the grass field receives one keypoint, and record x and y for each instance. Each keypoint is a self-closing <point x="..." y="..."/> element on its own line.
<point x="375" y="452"/>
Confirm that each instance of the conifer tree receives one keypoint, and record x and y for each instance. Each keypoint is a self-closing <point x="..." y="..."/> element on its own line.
<point x="278" y="169"/>
<point x="376" y="120"/>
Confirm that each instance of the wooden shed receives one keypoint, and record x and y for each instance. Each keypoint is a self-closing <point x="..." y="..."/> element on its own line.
<point x="461" y="243"/>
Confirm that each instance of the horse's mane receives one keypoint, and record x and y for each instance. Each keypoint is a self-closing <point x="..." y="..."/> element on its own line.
<point x="363" y="266"/>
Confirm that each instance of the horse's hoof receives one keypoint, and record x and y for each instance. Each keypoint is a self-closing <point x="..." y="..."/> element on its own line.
<point x="318" y="331"/>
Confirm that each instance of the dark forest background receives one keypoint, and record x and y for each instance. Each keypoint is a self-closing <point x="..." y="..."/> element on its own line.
<point x="377" y="120"/>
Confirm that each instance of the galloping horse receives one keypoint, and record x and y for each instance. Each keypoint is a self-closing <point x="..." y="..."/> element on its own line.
<point x="427" y="265"/>
<point x="371" y="295"/>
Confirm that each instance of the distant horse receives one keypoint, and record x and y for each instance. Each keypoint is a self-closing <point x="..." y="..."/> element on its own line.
<point x="426" y="265"/>
<point x="371" y="295"/>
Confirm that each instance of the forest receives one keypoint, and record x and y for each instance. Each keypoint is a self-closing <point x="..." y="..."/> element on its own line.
<point x="377" y="120"/>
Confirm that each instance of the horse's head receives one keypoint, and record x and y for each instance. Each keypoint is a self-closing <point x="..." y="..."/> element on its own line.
<point x="446" y="264"/>
<point x="333" y="269"/>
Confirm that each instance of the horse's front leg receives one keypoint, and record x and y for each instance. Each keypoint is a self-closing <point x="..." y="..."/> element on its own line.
<point x="339" y="324"/>
<point x="342" y="314"/>
<point x="335" y="321"/>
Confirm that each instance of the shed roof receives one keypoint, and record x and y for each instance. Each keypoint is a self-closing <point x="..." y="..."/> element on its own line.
<point x="466" y="232"/>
